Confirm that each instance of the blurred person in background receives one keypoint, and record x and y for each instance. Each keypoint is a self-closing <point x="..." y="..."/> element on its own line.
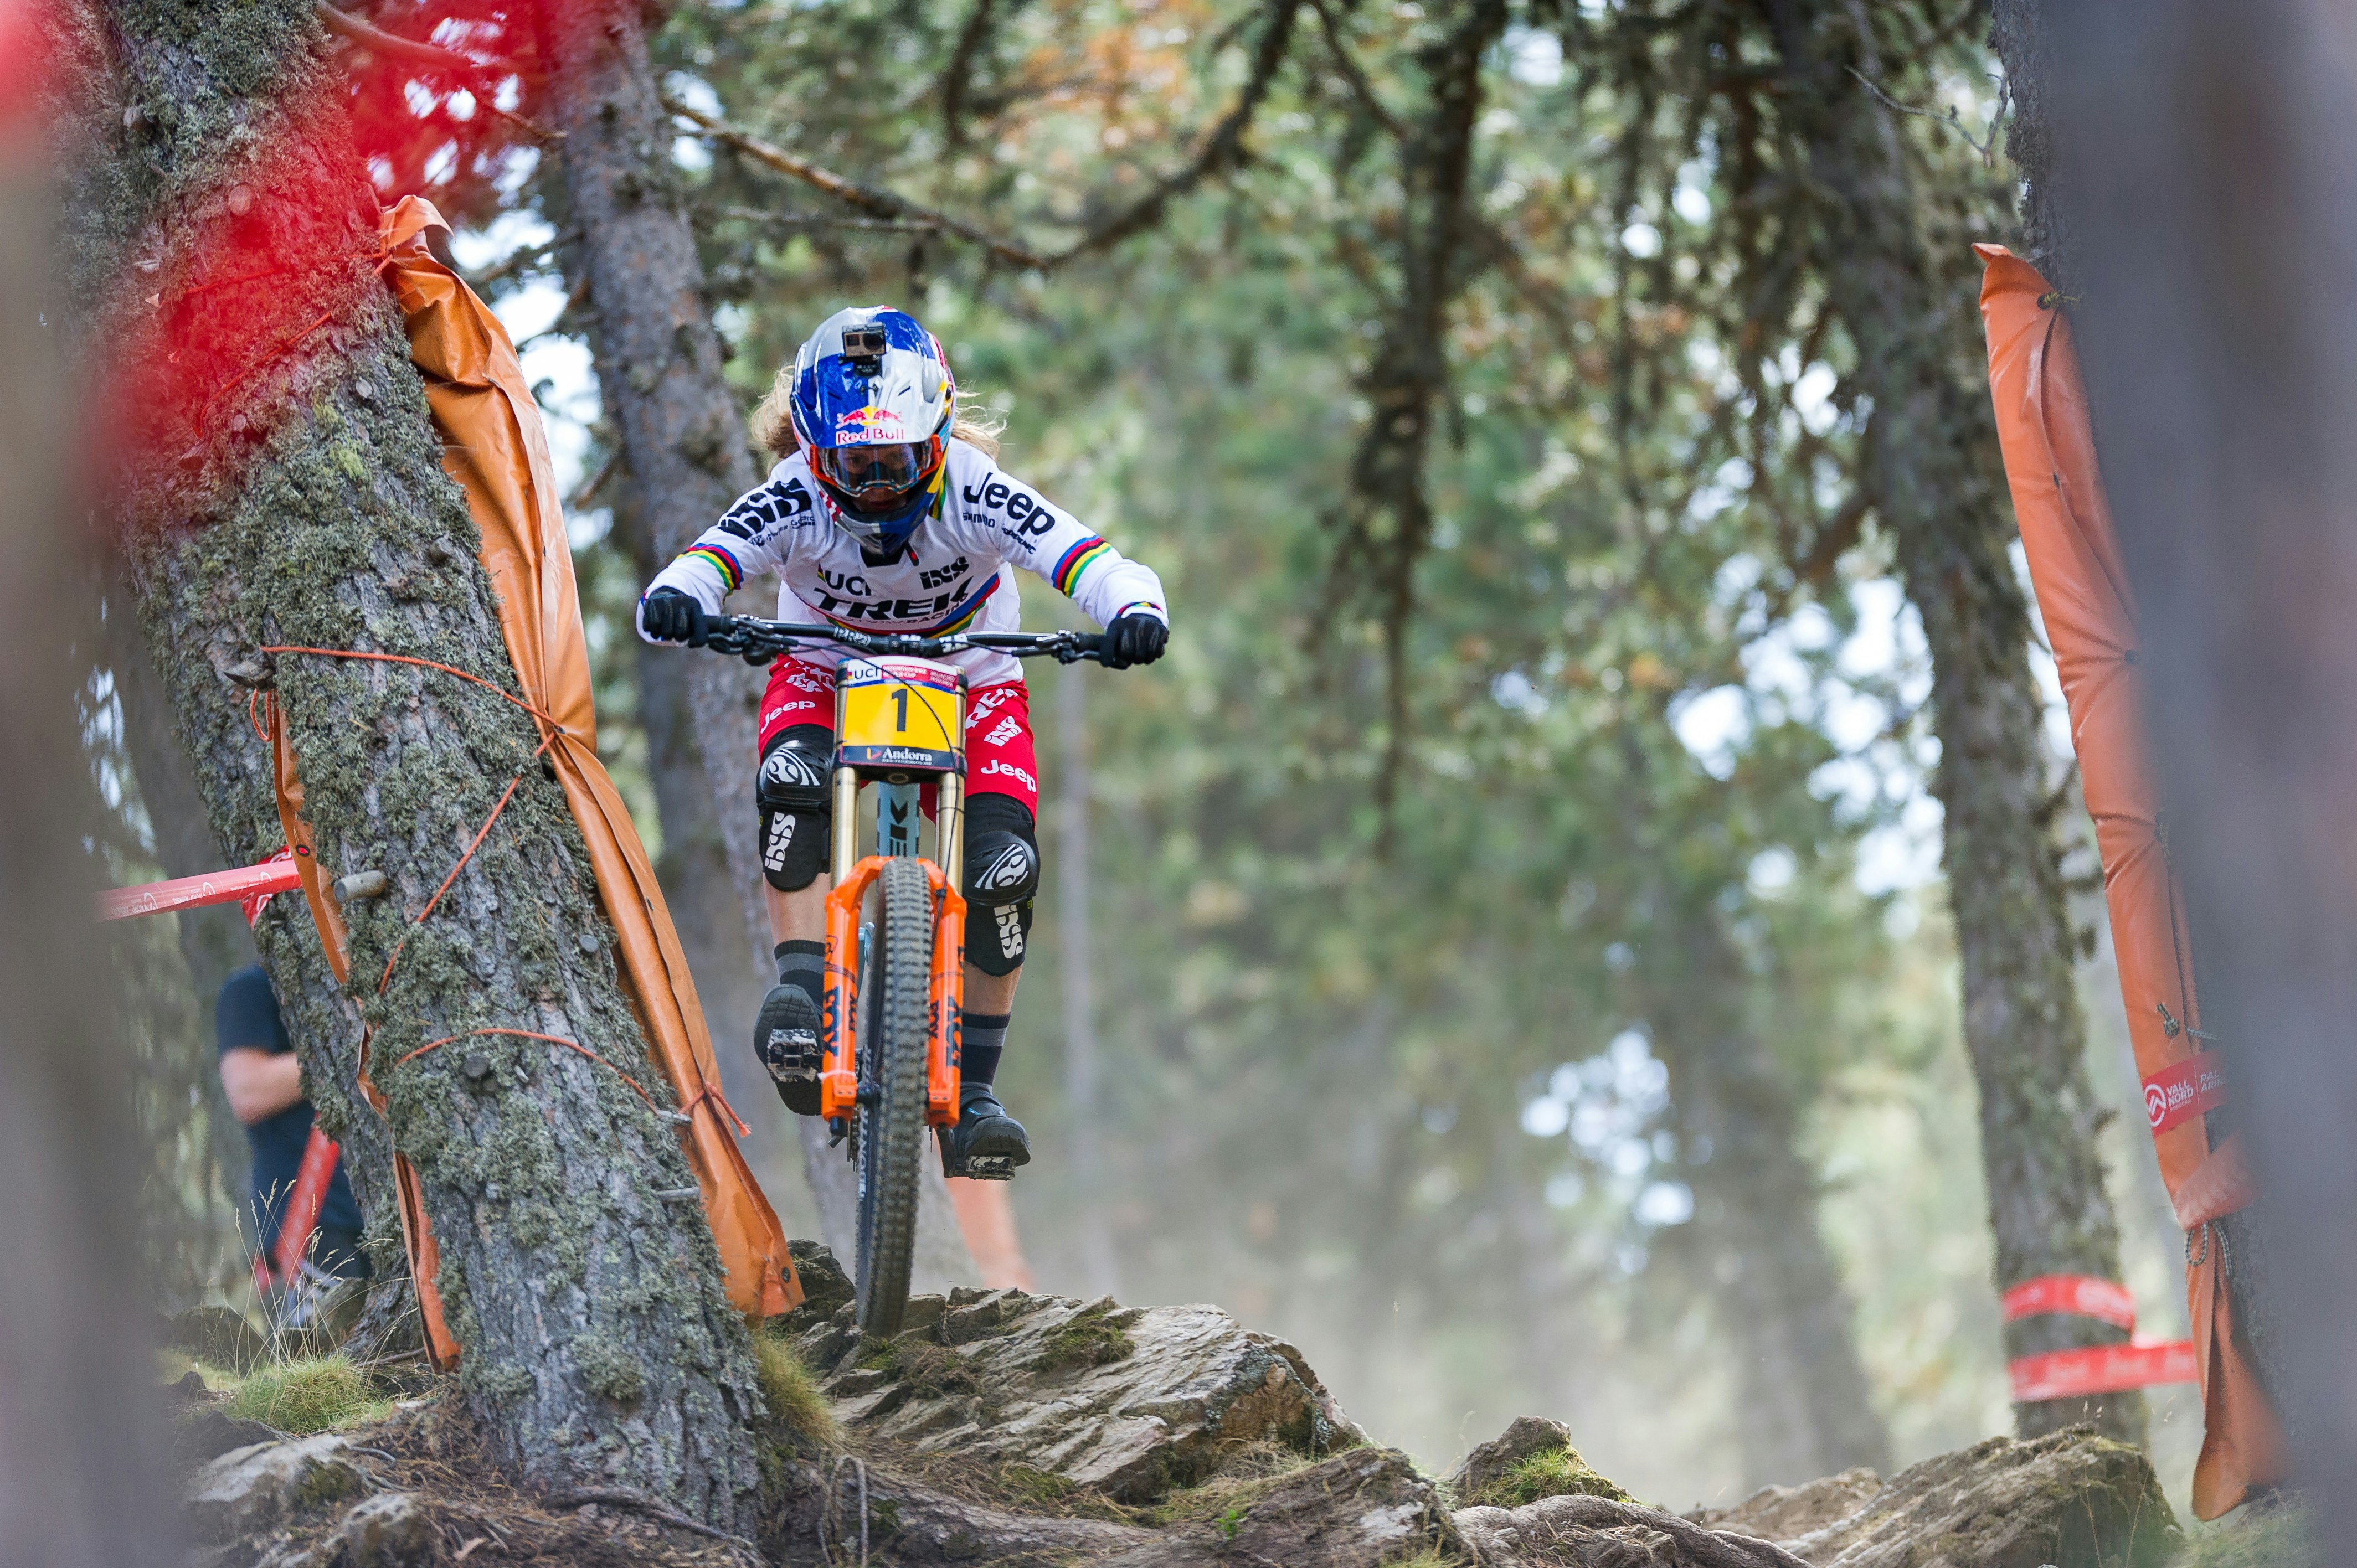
<point x="263" y="1080"/>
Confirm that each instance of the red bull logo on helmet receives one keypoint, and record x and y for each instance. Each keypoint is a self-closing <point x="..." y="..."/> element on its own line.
<point x="874" y="423"/>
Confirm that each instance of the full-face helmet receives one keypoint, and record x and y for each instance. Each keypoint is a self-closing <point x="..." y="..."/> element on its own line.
<point x="873" y="403"/>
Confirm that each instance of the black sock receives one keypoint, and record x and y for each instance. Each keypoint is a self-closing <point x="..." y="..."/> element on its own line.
<point x="983" y="1037"/>
<point x="803" y="966"/>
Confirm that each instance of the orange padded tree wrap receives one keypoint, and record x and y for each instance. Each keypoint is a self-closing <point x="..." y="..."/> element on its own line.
<point x="2090" y="621"/>
<point x="494" y="447"/>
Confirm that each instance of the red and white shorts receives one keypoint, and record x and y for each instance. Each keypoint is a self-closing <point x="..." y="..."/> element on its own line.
<point x="1000" y="755"/>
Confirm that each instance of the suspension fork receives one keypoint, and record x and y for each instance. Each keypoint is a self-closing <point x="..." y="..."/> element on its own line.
<point x="839" y="1030"/>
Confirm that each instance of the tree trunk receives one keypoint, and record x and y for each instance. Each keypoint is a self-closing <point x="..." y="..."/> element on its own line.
<point x="2202" y="155"/>
<point x="2057" y="202"/>
<point x="82" y="1483"/>
<point x="299" y="500"/>
<point x="685" y="454"/>
<point x="1804" y="1405"/>
<point x="1932" y="454"/>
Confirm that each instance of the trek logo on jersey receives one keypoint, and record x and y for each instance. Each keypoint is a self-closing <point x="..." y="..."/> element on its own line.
<point x="766" y="511"/>
<point x="889" y="609"/>
<point x="1010" y="930"/>
<point x="1008" y="730"/>
<point x="999" y="766"/>
<point x="876" y="423"/>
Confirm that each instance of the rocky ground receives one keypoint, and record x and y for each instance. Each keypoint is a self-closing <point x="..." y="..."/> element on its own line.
<point x="1015" y="1429"/>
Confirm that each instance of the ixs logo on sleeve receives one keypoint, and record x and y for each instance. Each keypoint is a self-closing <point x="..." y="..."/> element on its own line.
<point x="762" y="514"/>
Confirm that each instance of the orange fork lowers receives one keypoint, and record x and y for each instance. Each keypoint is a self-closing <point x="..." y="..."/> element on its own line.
<point x="839" y="1078"/>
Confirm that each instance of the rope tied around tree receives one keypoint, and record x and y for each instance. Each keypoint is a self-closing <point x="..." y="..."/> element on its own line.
<point x="705" y="1089"/>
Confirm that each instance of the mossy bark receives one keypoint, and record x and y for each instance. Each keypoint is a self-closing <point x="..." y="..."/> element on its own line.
<point x="192" y="837"/>
<point x="296" y="498"/>
<point x="1939" y="490"/>
<point x="2024" y="36"/>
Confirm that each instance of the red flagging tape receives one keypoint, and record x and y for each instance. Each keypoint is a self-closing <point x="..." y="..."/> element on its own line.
<point x="273" y="876"/>
<point x="303" y="1205"/>
<point x="2078" y="1294"/>
<point x="2187" y="1090"/>
<point x="2101" y="1370"/>
<point x="2093" y="1369"/>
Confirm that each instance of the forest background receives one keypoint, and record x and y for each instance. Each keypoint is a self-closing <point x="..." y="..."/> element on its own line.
<point x="1516" y="799"/>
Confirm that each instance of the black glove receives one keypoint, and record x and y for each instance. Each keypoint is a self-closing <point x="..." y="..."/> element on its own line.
<point x="1133" y="640"/>
<point x="671" y="616"/>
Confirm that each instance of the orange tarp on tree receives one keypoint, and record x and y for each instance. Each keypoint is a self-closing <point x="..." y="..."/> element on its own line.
<point x="2090" y="621"/>
<point x="494" y="447"/>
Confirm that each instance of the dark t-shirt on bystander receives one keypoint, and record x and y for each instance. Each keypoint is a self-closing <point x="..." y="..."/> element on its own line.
<point x="246" y="1015"/>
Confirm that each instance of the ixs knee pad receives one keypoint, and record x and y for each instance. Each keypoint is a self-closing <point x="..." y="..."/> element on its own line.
<point x="791" y="792"/>
<point x="1002" y="873"/>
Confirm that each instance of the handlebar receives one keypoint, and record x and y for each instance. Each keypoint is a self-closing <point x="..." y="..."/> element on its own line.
<point x="758" y="641"/>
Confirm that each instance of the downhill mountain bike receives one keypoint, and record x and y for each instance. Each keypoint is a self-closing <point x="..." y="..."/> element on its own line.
<point x="900" y="724"/>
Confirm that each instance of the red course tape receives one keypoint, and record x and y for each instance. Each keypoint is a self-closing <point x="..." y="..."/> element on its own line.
<point x="2078" y="1294"/>
<point x="274" y="875"/>
<point x="2101" y="1370"/>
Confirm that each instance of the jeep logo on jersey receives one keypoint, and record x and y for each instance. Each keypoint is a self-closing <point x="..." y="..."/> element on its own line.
<point x="1010" y="868"/>
<point x="1026" y="513"/>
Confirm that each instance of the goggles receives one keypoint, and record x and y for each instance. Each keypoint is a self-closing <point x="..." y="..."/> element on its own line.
<point x="875" y="477"/>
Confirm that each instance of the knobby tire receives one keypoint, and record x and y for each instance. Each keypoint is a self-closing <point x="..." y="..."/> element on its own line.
<point x="892" y="1123"/>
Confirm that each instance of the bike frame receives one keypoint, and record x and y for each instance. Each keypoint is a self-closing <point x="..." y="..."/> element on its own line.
<point x="758" y="641"/>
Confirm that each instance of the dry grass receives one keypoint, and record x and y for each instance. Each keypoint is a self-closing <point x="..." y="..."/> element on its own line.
<point x="792" y="1391"/>
<point x="2270" y="1536"/>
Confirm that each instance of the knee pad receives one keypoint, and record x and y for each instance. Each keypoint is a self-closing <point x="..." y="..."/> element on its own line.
<point x="1000" y="877"/>
<point x="793" y="795"/>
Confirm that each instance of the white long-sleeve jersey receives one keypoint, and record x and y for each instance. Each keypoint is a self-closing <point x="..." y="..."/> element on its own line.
<point x="952" y="577"/>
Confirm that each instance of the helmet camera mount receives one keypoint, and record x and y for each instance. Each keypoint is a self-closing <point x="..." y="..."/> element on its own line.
<point x="862" y="350"/>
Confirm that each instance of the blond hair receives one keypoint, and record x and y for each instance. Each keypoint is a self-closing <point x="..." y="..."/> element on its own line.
<point x="773" y="425"/>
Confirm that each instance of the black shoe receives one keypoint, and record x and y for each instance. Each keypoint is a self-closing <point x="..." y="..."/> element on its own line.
<point x="786" y="1039"/>
<point x="987" y="1143"/>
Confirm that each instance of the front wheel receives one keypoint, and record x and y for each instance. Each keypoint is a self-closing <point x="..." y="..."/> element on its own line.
<point x="892" y="1051"/>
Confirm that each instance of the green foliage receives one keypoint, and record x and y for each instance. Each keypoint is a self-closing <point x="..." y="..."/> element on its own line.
<point x="322" y="1393"/>
<point x="1552" y="1474"/>
<point x="1090" y="1339"/>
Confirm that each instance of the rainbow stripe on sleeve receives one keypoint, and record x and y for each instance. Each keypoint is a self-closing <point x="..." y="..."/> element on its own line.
<point x="732" y="575"/>
<point x="1076" y="560"/>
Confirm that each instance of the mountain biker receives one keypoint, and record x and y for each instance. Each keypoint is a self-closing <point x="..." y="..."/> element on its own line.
<point x="887" y="512"/>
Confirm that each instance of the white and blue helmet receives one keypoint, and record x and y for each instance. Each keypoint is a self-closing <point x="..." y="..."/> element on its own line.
<point x="873" y="403"/>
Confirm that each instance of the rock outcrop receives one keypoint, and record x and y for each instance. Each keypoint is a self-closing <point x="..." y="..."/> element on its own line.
<point x="1127" y="1402"/>
<point x="1005" y="1428"/>
<point x="2071" y="1499"/>
<point x="251" y="1491"/>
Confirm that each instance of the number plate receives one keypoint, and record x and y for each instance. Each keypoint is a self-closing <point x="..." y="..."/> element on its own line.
<point x="900" y="714"/>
